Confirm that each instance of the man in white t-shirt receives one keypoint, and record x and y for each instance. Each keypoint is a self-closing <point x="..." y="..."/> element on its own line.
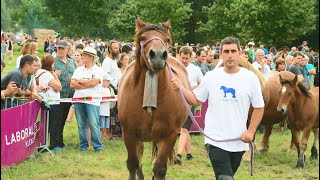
<point x="194" y="76"/>
<point x="86" y="81"/>
<point x="110" y="65"/>
<point x="230" y="91"/>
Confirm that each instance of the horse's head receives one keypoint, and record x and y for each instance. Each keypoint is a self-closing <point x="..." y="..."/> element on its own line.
<point x="152" y="42"/>
<point x="287" y="95"/>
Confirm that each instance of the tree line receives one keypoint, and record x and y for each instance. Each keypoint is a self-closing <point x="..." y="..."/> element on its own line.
<point x="271" y="22"/>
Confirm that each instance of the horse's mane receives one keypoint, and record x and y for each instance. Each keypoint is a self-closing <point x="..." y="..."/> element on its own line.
<point x="246" y="64"/>
<point x="301" y="87"/>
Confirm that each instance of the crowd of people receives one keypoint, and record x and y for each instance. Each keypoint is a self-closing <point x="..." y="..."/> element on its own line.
<point x="82" y="67"/>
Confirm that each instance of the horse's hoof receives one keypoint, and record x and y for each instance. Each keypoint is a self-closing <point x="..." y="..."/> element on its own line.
<point x="177" y="160"/>
<point x="263" y="151"/>
<point x="300" y="165"/>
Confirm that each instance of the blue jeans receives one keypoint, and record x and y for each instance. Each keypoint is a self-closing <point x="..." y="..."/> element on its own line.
<point x="88" y="114"/>
<point x="104" y="121"/>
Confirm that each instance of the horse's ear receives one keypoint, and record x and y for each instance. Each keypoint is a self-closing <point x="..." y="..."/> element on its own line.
<point x="295" y="80"/>
<point x="280" y="79"/>
<point x="167" y="25"/>
<point x="139" y="23"/>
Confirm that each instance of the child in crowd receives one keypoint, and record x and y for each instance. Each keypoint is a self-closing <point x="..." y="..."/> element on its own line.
<point x="105" y="109"/>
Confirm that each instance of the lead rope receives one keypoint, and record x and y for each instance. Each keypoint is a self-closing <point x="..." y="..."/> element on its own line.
<point x="251" y="146"/>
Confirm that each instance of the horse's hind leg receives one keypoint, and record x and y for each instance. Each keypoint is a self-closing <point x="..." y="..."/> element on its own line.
<point x="133" y="160"/>
<point x="165" y="152"/>
<point x="293" y="147"/>
<point x="314" y="153"/>
<point x="265" y="140"/>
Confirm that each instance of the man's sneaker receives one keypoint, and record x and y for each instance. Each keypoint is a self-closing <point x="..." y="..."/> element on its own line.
<point x="189" y="157"/>
<point x="177" y="160"/>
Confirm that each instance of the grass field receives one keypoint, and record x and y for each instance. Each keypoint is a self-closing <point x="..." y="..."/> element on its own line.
<point x="111" y="163"/>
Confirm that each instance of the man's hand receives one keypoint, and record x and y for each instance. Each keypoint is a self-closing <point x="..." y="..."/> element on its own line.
<point x="11" y="89"/>
<point x="176" y="83"/>
<point x="247" y="136"/>
<point x="57" y="72"/>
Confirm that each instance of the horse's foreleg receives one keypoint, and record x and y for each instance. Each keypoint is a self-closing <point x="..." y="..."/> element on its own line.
<point x="314" y="153"/>
<point x="302" y="147"/>
<point x="140" y="153"/>
<point x="265" y="139"/>
<point x="132" y="161"/>
<point x="293" y="147"/>
<point x="165" y="151"/>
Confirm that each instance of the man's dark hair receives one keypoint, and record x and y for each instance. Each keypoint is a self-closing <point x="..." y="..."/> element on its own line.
<point x="297" y="53"/>
<point x="300" y="48"/>
<point x="27" y="59"/>
<point x="172" y="51"/>
<point x="216" y="56"/>
<point x="126" y="49"/>
<point x="80" y="46"/>
<point x="230" y="40"/>
<point x="199" y="51"/>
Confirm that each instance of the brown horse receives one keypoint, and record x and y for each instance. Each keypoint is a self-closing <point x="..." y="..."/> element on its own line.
<point x="149" y="108"/>
<point x="302" y="107"/>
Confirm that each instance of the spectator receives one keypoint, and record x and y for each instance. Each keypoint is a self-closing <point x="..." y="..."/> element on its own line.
<point x="63" y="68"/>
<point x="245" y="55"/>
<point x="21" y="77"/>
<point x="199" y="61"/>
<point x="261" y="63"/>
<point x="194" y="76"/>
<point x="123" y="64"/>
<point x="85" y="81"/>
<point x="105" y="110"/>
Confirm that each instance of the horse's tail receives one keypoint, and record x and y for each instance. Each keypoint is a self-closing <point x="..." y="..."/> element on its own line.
<point x="246" y="64"/>
<point x="155" y="151"/>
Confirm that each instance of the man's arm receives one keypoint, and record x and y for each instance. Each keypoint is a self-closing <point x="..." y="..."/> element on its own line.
<point x="88" y="83"/>
<point x="74" y="84"/>
<point x="190" y="97"/>
<point x="256" y="118"/>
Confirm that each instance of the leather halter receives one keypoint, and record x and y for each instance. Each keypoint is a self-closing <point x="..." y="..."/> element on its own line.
<point x="144" y="44"/>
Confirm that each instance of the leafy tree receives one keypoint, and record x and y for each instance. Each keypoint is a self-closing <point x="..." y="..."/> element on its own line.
<point x="82" y="17"/>
<point x="178" y="12"/>
<point x="5" y="17"/>
<point x="277" y="22"/>
<point x="30" y="14"/>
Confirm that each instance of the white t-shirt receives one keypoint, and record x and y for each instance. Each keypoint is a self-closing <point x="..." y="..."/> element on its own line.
<point x="194" y="74"/>
<point x="44" y="80"/>
<point x="105" y="106"/>
<point x="85" y="73"/>
<point x="229" y="98"/>
<point x="258" y="67"/>
<point x="111" y="67"/>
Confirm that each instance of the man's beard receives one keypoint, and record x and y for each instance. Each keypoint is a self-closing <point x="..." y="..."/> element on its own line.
<point x="115" y="55"/>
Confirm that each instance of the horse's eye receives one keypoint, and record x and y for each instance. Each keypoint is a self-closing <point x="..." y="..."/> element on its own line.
<point x="167" y="40"/>
<point x="142" y="38"/>
<point x="290" y="93"/>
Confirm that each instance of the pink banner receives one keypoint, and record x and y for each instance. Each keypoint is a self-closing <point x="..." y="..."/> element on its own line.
<point x="22" y="131"/>
<point x="199" y="116"/>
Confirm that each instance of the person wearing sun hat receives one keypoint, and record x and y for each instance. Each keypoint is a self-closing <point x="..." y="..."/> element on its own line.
<point x="86" y="81"/>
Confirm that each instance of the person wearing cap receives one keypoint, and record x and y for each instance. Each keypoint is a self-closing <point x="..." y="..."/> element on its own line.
<point x="251" y="50"/>
<point x="86" y="81"/>
<point x="63" y="68"/>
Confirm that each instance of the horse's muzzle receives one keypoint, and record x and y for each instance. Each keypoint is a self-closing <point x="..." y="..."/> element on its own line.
<point x="158" y="58"/>
<point x="282" y="110"/>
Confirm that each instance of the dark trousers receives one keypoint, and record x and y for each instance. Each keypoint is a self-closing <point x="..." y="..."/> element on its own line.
<point x="225" y="164"/>
<point x="57" y="119"/>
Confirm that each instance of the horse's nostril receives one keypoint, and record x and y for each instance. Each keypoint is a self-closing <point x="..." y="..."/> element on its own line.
<point x="152" y="54"/>
<point x="165" y="55"/>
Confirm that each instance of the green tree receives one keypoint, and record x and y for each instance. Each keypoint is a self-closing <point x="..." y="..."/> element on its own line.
<point x="277" y="22"/>
<point x="5" y="17"/>
<point x="30" y="14"/>
<point x="82" y="17"/>
<point x="178" y="12"/>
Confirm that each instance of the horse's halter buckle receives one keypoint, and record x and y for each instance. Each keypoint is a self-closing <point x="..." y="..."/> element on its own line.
<point x="144" y="44"/>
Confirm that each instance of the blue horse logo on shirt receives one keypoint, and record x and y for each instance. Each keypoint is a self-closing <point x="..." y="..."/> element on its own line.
<point x="228" y="90"/>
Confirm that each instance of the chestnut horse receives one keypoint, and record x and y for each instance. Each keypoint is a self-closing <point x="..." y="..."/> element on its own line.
<point x="302" y="107"/>
<point x="149" y="108"/>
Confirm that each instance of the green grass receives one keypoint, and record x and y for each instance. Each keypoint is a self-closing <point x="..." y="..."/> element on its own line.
<point x="111" y="163"/>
